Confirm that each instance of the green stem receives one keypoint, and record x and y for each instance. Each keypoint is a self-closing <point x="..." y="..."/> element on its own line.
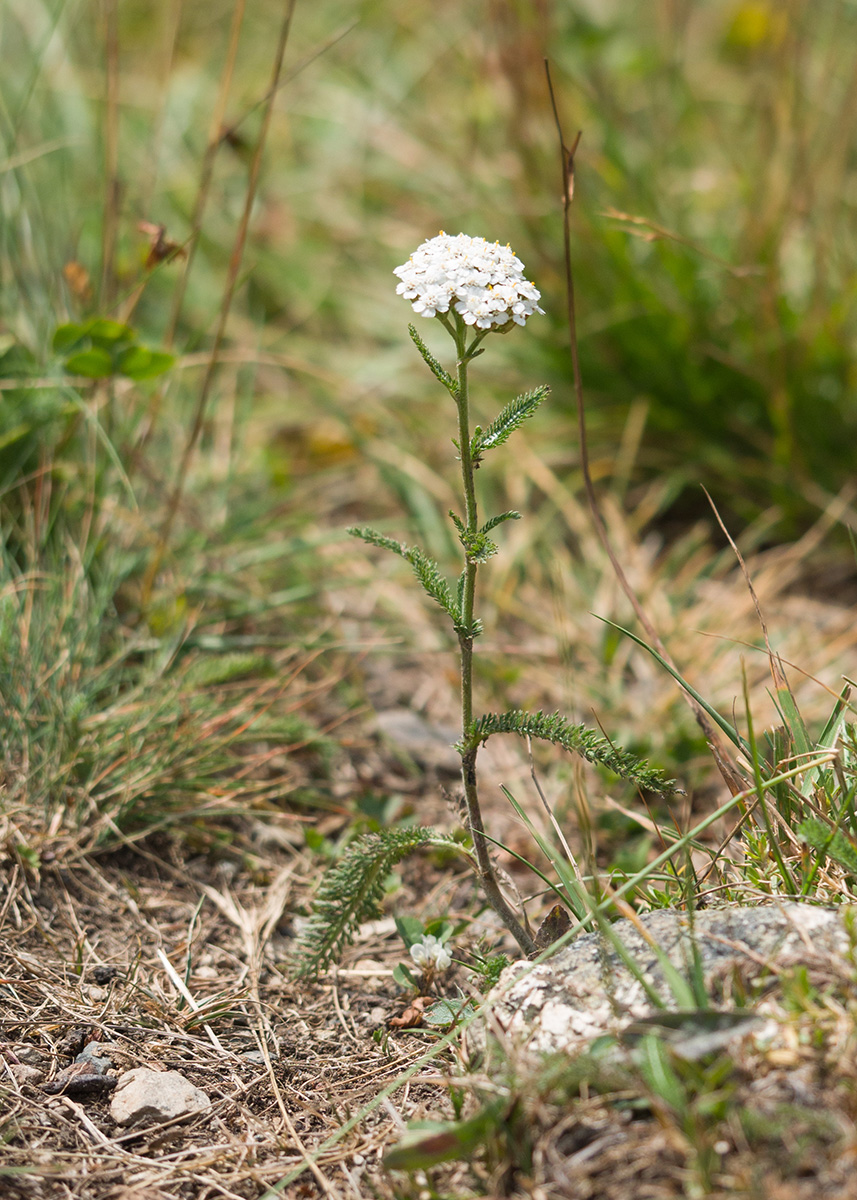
<point x="487" y="873"/>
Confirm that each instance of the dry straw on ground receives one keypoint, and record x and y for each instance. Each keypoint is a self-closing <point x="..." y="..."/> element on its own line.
<point x="199" y="945"/>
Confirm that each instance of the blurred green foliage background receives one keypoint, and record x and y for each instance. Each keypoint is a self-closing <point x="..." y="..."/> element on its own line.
<point x="716" y="315"/>
<point x="714" y="248"/>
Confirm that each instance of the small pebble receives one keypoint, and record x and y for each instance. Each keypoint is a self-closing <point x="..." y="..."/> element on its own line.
<point x="72" y="1042"/>
<point x="29" y="1055"/>
<point x="147" y="1097"/>
<point x="22" y="1073"/>
<point x="104" y="975"/>
<point x="92" y="1054"/>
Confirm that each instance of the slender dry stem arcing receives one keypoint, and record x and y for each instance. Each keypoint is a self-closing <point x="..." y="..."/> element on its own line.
<point x="225" y="308"/>
<point x="729" y="771"/>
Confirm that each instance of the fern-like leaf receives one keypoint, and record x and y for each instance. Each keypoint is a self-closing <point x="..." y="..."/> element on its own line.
<point x="433" y="365"/>
<point x="459" y="524"/>
<point x="426" y="569"/>
<point x="555" y="728"/>
<point x="374" y="538"/>
<point x="511" y="515"/>
<point x="511" y="418"/>
<point x="350" y="893"/>
<point x="428" y="573"/>
<point x="478" y="546"/>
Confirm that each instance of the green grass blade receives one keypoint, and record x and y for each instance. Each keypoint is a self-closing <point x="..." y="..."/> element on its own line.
<point x="574" y="894"/>
<point x="773" y="840"/>
<point x="730" y="731"/>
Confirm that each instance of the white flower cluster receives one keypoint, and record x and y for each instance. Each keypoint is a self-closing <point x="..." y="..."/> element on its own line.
<point x="431" y="953"/>
<point x="483" y="281"/>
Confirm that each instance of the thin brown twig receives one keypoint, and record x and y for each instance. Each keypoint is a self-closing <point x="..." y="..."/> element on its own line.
<point x="658" y="232"/>
<point x="230" y="130"/>
<point x="550" y="813"/>
<point x="110" y="220"/>
<point x="220" y="132"/>
<point x="215" y="141"/>
<point x="225" y="309"/>
<point x="777" y="673"/>
<point x="727" y="768"/>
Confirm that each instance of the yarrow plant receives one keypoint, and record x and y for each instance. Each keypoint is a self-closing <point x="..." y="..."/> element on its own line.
<point x="473" y="288"/>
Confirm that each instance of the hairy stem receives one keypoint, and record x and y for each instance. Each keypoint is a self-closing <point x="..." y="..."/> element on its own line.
<point x="487" y="874"/>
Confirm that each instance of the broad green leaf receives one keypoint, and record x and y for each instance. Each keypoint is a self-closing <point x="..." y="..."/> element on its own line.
<point x="827" y="740"/>
<point x="435" y="1142"/>
<point x="14" y="435"/>
<point x="794" y="721"/>
<point x="403" y="977"/>
<point x="105" y="332"/>
<point x="659" y="1074"/>
<point x="317" y="841"/>
<point x="441" y="929"/>
<point x="222" y="668"/>
<point x="138" y="362"/>
<point x="67" y="336"/>
<point x="410" y="930"/>
<point x="445" y="1012"/>
<point x="94" y="364"/>
<point x="693" y="1034"/>
<point x="831" y="842"/>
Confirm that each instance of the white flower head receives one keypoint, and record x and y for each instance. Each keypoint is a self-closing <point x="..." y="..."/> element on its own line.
<point x="482" y="281"/>
<point x="431" y="953"/>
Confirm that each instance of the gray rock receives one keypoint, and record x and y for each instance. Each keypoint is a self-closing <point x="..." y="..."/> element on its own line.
<point x="30" y="1055"/>
<point x="429" y="745"/>
<point x="586" y="989"/>
<point x="91" y="1053"/>
<point x="146" y="1097"/>
<point x="23" y="1073"/>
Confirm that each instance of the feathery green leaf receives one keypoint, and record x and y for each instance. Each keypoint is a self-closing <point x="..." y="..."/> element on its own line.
<point x="478" y="547"/>
<point x="459" y="590"/>
<point x="555" y="728"/>
<point x="374" y="538"/>
<point x="426" y="569"/>
<point x="511" y="515"/>
<point x="350" y="893"/>
<point x="428" y="573"/>
<point x="510" y="419"/>
<point x="433" y="365"/>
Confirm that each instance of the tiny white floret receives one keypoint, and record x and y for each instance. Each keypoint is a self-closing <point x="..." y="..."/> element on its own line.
<point x="482" y="281"/>
<point x="431" y="953"/>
